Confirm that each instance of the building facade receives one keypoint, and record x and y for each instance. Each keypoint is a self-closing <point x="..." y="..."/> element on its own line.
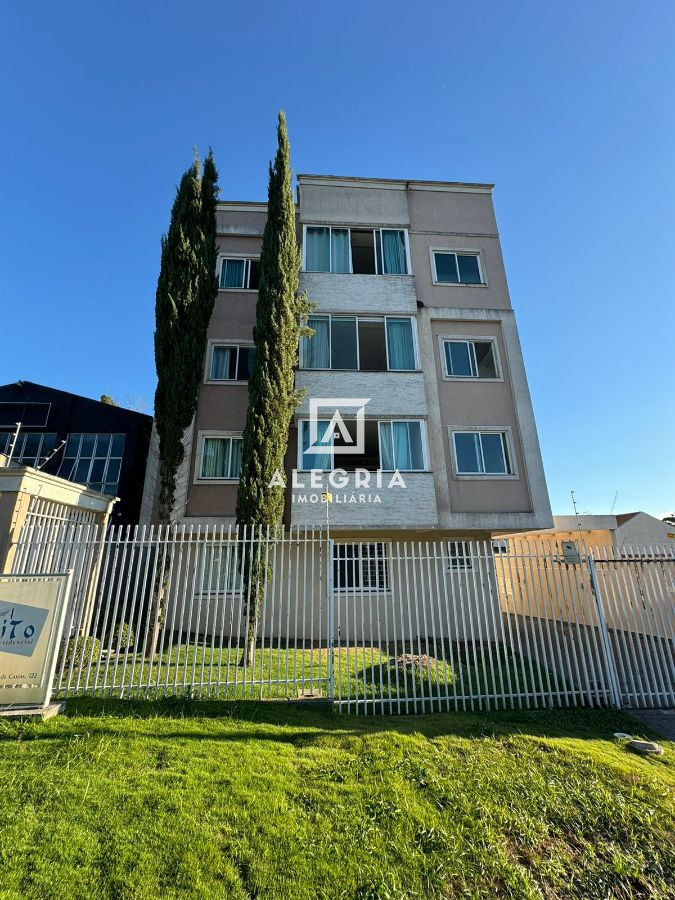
<point x="96" y="445"/>
<point x="413" y="320"/>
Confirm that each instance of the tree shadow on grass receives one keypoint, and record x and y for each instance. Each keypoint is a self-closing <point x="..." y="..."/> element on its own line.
<point x="303" y="726"/>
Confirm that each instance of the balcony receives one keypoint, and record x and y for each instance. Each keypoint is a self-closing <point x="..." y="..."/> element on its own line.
<point x="388" y="294"/>
<point x="367" y="507"/>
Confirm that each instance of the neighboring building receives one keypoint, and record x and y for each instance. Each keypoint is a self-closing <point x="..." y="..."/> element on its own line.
<point x="606" y="533"/>
<point x="105" y="447"/>
<point x="413" y="313"/>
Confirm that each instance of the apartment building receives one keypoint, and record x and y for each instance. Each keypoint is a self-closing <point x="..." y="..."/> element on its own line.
<point x="413" y="319"/>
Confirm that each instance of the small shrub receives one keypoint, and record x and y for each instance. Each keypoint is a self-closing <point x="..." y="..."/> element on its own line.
<point x="123" y="637"/>
<point x="80" y="650"/>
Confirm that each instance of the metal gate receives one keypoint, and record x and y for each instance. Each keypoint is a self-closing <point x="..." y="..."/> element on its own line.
<point x="375" y="626"/>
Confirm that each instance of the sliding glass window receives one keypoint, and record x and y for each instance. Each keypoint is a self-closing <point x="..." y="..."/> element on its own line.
<point x="360" y="251"/>
<point x="359" y="343"/>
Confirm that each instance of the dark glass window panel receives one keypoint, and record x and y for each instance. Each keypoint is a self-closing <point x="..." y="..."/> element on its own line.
<point x="113" y="472"/>
<point x="493" y="454"/>
<point x="117" y="448"/>
<point x="48" y="444"/>
<point x="97" y="470"/>
<point x="245" y="365"/>
<point x="254" y="274"/>
<point x="87" y="446"/>
<point x="363" y="252"/>
<point x="72" y="445"/>
<point x="469" y="271"/>
<point x="31" y="446"/>
<point x="96" y="486"/>
<point x="372" y="346"/>
<point x="66" y="469"/>
<point x="102" y="445"/>
<point x="468" y="457"/>
<point x="458" y="358"/>
<point x="485" y="359"/>
<point x="110" y="489"/>
<point x="446" y="268"/>
<point x="343" y="343"/>
<point x="81" y="471"/>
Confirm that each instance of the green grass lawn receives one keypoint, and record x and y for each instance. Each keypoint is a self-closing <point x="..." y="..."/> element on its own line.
<point x="448" y="678"/>
<point x="132" y="799"/>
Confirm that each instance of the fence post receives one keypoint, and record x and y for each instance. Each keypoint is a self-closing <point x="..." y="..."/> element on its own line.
<point x="610" y="667"/>
<point x="330" y="640"/>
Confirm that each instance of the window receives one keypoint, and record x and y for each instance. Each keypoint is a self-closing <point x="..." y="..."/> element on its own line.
<point x="360" y="567"/>
<point x="31" y="415"/>
<point x="388" y="445"/>
<point x="401" y="446"/>
<point x="29" y="449"/>
<point x="221" y="457"/>
<point x="219" y="569"/>
<point x="360" y="251"/>
<point x="239" y="274"/>
<point x="460" y="556"/>
<point x="457" y="268"/>
<point x="231" y="362"/>
<point x="359" y="343"/>
<point x="94" y="460"/>
<point x="481" y="453"/>
<point x="470" y="359"/>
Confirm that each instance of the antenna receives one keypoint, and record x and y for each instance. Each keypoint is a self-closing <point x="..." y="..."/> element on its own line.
<point x="576" y="513"/>
<point x="611" y="512"/>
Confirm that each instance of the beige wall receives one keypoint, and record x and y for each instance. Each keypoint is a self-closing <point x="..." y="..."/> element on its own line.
<point x="479" y="403"/>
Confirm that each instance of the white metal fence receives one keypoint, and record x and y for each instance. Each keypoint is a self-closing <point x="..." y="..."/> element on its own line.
<point x="376" y="626"/>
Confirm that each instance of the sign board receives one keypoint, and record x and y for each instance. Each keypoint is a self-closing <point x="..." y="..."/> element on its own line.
<point x="32" y="613"/>
<point x="571" y="553"/>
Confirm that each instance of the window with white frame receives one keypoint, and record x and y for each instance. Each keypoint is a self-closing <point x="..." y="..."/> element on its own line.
<point x="470" y="359"/>
<point x="219" y="569"/>
<point x="388" y="445"/>
<point x="360" y="343"/>
<point x="481" y="453"/>
<point x="231" y="362"/>
<point x="220" y="458"/>
<point x="457" y="267"/>
<point x="359" y="251"/>
<point x="237" y="273"/>
<point x="360" y="567"/>
<point x="94" y="460"/>
<point x="30" y="449"/>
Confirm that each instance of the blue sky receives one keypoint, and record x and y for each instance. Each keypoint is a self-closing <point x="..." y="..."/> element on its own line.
<point x="568" y="108"/>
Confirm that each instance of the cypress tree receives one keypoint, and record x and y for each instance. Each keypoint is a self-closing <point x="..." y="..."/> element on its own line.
<point x="186" y="292"/>
<point x="280" y="321"/>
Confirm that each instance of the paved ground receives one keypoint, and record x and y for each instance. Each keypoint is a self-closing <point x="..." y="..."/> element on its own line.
<point x="661" y="720"/>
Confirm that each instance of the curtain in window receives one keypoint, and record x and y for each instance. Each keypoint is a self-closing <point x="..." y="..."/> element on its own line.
<point x="386" y="447"/>
<point x="235" y="458"/>
<point x="315" y="460"/>
<point x="232" y="275"/>
<point x="315" y="349"/>
<point x="402" y="456"/>
<point x="393" y="251"/>
<point x="214" y="458"/>
<point x="221" y="362"/>
<point x="340" y="250"/>
<point x="317" y="250"/>
<point x="400" y="342"/>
